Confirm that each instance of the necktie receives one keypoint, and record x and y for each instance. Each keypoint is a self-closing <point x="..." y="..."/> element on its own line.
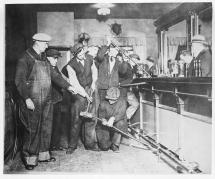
<point x="81" y="63"/>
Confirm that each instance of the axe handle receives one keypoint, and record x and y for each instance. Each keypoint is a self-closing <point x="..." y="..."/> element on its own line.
<point x="125" y="134"/>
<point x="88" y="104"/>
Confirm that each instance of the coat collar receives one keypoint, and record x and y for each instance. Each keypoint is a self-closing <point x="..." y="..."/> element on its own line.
<point x="41" y="57"/>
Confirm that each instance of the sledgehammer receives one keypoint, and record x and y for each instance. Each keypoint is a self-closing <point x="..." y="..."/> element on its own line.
<point x="86" y="113"/>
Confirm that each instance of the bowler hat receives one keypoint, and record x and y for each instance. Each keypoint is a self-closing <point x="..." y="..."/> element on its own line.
<point x="83" y="36"/>
<point x="53" y="53"/>
<point x="150" y="59"/>
<point x="199" y="39"/>
<point x="113" y="93"/>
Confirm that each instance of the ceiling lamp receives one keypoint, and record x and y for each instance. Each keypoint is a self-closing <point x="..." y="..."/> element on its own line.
<point x="103" y="11"/>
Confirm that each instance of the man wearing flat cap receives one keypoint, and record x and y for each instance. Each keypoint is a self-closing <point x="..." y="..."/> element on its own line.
<point x="83" y="40"/>
<point x="33" y="81"/>
<point x="57" y="96"/>
<point x="201" y="65"/>
<point x="112" y="111"/>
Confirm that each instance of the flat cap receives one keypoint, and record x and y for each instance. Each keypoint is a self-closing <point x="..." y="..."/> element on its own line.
<point x="199" y="39"/>
<point x="113" y="93"/>
<point x="42" y="37"/>
<point x="53" y="53"/>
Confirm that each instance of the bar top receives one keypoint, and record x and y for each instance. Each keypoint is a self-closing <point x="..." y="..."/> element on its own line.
<point x="181" y="80"/>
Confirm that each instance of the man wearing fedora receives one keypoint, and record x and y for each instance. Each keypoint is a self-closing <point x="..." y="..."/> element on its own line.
<point x="113" y="113"/>
<point x="83" y="39"/>
<point x="108" y="70"/>
<point x="202" y="56"/>
<point x="33" y="81"/>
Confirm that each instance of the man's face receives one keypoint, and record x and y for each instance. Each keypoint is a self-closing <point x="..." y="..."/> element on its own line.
<point x="93" y="51"/>
<point x="85" y="43"/>
<point x="113" y="52"/>
<point x="81" y="54"/>
<point x="119" y="58"/>
<point x="150" y="63"/>
<point x="197" y="48"/>
<point x="42" y="46"/>
<point x="53" y="61"/>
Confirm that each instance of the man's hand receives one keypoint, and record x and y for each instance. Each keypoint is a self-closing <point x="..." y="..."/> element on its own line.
<point x="72" y="90"/>
<point x="108" y="41"/>
<point x="89" y="98"/>
<point x="111" y="121"/>
<point x="104" y="122"/>
<point x="93" y="87"/>
<point x="30" y="104"/>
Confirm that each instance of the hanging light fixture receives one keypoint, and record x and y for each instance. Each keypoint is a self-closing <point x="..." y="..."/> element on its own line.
<point x="103" y="11"/>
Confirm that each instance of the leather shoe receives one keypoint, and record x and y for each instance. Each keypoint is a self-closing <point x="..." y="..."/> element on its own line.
<point x="62" y="148"/>
<point x="115" y="148"/>
<point x="29" y="167"/>
<point x="52" y="159"/>
<point x="70" y="151"/>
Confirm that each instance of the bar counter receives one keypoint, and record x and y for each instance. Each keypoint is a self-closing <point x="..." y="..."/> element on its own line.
<point x="195" y="93"/>
<point x="177" y="113"/>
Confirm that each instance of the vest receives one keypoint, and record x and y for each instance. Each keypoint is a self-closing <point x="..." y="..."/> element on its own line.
<point x="83" y="73"/>
<point x="106" y="79"/>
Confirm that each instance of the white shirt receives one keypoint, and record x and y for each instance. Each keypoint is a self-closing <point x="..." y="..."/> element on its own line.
<point x="94" y="75"/>
<point x="81" y="61"/>
<point x="112" y="63"/>
<point x="73" y="80"/>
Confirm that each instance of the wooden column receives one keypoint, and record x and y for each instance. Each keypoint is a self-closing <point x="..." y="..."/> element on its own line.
<point x="141" y="111"/>
<point x="156" y="99"/>
<point x="180" y="110"/>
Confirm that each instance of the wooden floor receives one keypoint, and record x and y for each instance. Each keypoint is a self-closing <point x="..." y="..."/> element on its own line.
<point x="129" y="160"/>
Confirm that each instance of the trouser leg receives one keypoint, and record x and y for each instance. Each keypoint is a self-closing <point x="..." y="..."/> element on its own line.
<point x="65" y="119"/>
<point x="103" y="137"/>
<point x="89" y="125"/>
<point x="89" y="134"/>
<point x="123" y="93"/>
<point x="31" y="121"/>
<point x="133" y="104"/>
<point x="46" y="131"/>
<point x="56" y="126"/>
<point x="76" y="122"/>
<point x="97" y="102"/>
<point x="121" y="125"/>
<point x="102" y="94"/>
